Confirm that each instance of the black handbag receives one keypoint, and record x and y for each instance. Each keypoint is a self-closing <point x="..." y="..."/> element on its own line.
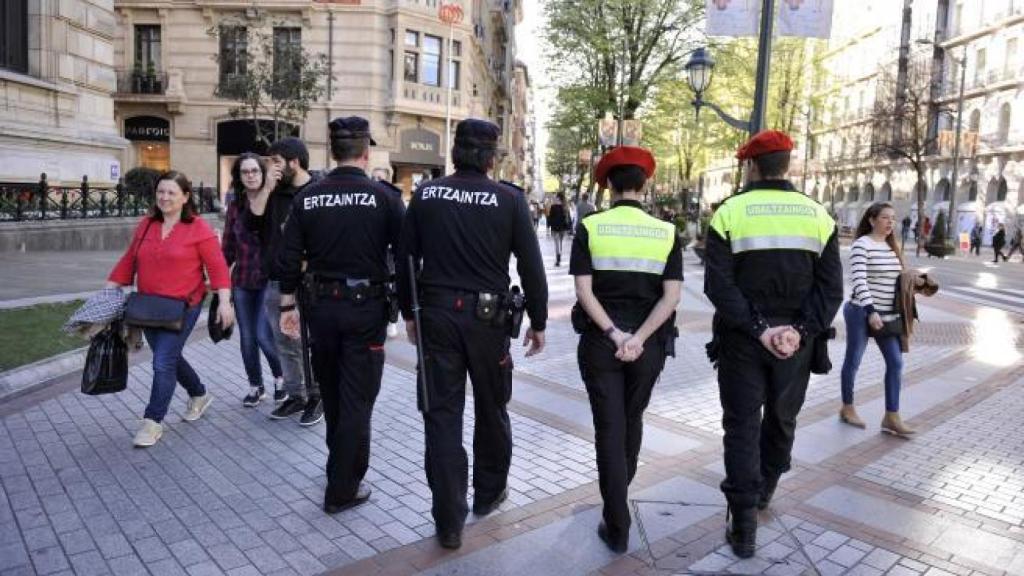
<point x="151" y="310"/>
<point x="889" y="328"/>
<point x="216" y="329"/>
<point x="106" y="364"/>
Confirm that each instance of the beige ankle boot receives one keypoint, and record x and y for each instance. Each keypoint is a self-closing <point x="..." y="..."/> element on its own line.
<point x="893" y="424"/>
<point x="848" y="415"/>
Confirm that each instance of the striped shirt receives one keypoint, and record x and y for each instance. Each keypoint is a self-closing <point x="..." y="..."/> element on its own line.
<point x="874" y="272"/>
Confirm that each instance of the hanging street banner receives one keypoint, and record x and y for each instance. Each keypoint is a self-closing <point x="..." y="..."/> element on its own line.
<point x="800" y="18"/>
<point x="804" y="18"/>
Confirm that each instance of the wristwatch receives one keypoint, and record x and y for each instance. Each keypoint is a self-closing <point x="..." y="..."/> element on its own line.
<point x="611" y="330"/>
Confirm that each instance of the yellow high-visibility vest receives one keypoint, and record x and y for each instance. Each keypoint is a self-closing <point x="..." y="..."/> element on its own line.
<point x="773" y="220"/>
<point x="626" y="239"/>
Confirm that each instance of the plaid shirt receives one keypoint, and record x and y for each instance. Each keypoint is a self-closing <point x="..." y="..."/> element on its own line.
<point x="242" y="248"/>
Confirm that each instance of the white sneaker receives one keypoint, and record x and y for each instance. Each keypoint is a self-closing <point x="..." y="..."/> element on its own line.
<point x="150" y="432"/>
<point x="392" y="330"/>
<point x="196" y="407"/>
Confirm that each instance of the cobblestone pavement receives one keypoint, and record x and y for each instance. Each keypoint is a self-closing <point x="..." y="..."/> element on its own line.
<point x="236" y="493"/>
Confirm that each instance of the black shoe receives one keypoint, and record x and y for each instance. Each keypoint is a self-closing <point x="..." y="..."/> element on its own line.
<point x="252" y="399"/>
<point x="617" y="545"/>
<point x="741" y="532"/>
<point x="279" y="395"/>
<point x="484" y="509"/>
<point x="450" y="540"/>
<point x="289" y="407"/>
<point x="768" y="486"/>
<point x="313" y="413"/>
<point x="362" y="495"/>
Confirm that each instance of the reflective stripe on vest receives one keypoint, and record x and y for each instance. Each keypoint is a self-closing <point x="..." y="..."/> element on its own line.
<point x="773" y="220"/>
<point x="625" y="239"/>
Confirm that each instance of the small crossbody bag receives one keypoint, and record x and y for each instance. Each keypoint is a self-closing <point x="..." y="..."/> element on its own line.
<point x="151" y="310"/>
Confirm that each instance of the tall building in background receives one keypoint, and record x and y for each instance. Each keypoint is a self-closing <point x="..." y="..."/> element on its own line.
<point x="56" y="88"/>
<point x="390" y="65"/>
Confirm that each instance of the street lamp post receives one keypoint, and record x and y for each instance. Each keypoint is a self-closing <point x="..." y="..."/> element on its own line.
<point x="700" y="66"/>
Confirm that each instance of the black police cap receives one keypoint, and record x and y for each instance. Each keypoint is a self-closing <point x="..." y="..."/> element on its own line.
<point x="476" y="133"/>
<point x="350" y="128"/>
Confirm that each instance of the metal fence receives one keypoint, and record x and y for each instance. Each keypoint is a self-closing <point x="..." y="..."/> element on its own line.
<point x="40" y="201"/>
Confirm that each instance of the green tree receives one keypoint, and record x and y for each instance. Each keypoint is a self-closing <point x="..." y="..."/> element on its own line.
<point x="278" y="80"/>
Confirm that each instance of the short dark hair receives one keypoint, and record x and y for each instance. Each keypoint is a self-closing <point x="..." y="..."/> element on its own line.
<point x="236" y="173"/>
<point x="474" y="158"/>
<point x="291" y="148"/>
<point x="773" y="164"/>
<point x="189" y="210"/>
<point x="627" y="177"/>
<point x="343" y="149"/>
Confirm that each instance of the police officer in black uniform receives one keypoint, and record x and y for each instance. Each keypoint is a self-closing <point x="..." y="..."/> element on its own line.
<point x="774" y="276"/>
<point x="344" y="226"/>
<point x="460" y="231"/>
<point x="629" y="273"/>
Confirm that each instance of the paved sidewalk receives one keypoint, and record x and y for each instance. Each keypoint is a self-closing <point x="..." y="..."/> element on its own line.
<point x="236" y="493"/>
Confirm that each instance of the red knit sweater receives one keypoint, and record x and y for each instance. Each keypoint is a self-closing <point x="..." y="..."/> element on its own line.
<point x="174" y="266"/>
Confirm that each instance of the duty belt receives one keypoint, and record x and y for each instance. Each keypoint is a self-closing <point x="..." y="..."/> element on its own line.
<point x="456" y="299"/>
<point x="356" y="290"/>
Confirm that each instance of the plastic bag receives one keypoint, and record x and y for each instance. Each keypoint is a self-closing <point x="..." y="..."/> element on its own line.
<point x="106" y="365"/>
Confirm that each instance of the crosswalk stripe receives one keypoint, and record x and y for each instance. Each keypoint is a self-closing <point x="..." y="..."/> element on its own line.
<point x="985" y="298"/>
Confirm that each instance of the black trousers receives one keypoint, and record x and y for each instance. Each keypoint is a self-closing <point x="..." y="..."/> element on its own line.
<point x="348" y="357"/>
<point x="619" y="393"/>
<point x="758" y="446"/>
<point x="457" y="343"/>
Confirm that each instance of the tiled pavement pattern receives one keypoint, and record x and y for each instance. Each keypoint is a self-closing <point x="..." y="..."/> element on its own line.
<point x="235" y="492"/>
<point x="973" y="461"/>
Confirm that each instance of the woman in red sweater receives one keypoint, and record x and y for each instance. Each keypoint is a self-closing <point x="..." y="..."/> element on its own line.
<point x="169" y="251"/>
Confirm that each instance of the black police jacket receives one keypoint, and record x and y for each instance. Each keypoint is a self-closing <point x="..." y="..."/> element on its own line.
<point x="755" y="289"/>
<point x="461" y="230"/>
<point x="344" y="225"/>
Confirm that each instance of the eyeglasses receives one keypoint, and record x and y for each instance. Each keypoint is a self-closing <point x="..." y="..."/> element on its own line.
<point x="253" y="172"/>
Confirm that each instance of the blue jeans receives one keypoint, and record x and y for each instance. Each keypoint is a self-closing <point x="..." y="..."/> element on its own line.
<point x="255" y="334"/>
<point x="170" y="366"/>
<point x="289" y="351"/>
<point x="856" y="342"/>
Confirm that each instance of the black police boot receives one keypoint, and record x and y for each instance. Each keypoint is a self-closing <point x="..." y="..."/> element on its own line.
<point x="450" y="540"/>
<point x="768" y="486"/>
<point x="485" y="508"/>
<point x="362" y="495"/>
<point x="619" y="545"/>
<point x="741" y="531"/>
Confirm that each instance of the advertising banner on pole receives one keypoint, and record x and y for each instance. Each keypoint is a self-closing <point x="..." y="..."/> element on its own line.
<point x="800" y="18"/>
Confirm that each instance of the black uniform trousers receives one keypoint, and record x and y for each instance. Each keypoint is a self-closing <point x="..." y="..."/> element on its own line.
<point x="348" y="356"/>
<point x="751" y="379"/>
<point x="619" y="393"/>
<point x="456" y="342"/>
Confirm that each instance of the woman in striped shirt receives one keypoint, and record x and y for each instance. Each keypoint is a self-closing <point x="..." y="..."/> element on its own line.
<point x="875" y="267"/>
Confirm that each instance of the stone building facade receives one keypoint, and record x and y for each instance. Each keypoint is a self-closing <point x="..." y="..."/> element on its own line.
<point x="389" y="60"/>
<point x="56" y="92"/>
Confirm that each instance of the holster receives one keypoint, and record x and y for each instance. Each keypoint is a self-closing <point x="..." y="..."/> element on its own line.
<point x="309" y="295"/>
<point x="669" y="332"/>
<point x="516" y="306"/>
<point x="714" y="347"/>
<point x="579" y="318"/>
<point x="820" y="362"/>
<point x="392" y="298"/>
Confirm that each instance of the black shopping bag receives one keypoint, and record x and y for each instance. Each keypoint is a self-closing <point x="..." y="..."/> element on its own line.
<point x="106" y="365"/>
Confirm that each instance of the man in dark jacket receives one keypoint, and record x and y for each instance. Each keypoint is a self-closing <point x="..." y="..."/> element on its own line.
<point x="287" y="175"/>
<point x="774" y="276"/>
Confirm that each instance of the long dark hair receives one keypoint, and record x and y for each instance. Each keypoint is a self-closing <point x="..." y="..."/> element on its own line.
<point x="865" y="227"/>
<point x="189" y="210"/>
<point x="236" y="174"/>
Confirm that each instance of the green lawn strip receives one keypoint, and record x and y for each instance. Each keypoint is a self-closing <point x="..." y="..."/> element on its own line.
<point x="34" y="333"/>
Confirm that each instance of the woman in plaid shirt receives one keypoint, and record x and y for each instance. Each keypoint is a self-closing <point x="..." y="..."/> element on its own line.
<point x="242" y="252"/>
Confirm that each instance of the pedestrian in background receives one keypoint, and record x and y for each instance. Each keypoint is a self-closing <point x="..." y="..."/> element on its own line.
<point x="171" y="249"/>
<point x="627" y="289"/>
<point x="872" y="312"/>
<point x="1016" y="244"/>
<point x="774" y="276"/>
<point x="584" y="207"/>
<point x="976" y="239"/>
<point x="241" y="244"/>
<point x="460" y="232"/>
<point x="998" y="241"/>
<point x="905" y="229"/>
<point x="287" y="176"/>
<point x="558" y="222"/>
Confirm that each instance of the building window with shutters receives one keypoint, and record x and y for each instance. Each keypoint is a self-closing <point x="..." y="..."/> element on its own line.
<point x="14" y="35"/>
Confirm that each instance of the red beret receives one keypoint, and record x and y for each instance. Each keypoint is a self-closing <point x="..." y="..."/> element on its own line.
<point x="623" y="156"/>
<point x="765" y="142"/>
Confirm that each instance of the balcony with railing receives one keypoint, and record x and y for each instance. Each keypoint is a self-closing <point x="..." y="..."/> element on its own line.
<point x="951" y="87"/>
<point x="138" y="82"/>
<point x="960" y="28"/>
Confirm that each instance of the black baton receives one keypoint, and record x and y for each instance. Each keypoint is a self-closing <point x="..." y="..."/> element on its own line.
<point x="305" y="340"/>
<point x="421" y="374"/>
